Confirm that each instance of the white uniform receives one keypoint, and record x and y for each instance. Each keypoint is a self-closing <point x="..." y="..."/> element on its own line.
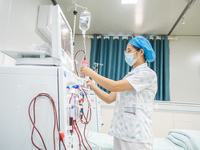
<point x="133" y="108"/>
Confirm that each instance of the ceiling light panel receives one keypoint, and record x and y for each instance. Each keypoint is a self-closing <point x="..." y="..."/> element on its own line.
<point x="129" y="1"/>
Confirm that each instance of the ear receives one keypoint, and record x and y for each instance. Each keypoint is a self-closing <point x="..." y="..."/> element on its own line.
<point x="141" y="52"/>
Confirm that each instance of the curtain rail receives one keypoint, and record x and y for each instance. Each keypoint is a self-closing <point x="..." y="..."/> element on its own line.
<point x="171" y="37"/>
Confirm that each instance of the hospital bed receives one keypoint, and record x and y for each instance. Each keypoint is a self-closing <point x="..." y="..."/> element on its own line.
<point x="176" y="140"/>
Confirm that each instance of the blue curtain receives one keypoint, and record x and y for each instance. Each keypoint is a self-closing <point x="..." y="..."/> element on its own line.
<point x="109" y="51"/>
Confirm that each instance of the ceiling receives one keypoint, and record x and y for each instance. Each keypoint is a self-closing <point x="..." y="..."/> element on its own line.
<point x="148" y="17"/>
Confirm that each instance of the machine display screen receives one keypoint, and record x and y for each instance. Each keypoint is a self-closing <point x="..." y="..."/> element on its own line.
<point x="65" y="37"/>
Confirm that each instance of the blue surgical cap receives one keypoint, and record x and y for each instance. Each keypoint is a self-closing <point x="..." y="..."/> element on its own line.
<point x="142" y="42"/>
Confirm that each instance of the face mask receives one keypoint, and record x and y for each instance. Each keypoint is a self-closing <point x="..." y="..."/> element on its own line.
<point x="129" y="58"/>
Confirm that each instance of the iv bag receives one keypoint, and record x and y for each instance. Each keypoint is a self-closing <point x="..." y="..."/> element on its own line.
<point x="84" y="23"/>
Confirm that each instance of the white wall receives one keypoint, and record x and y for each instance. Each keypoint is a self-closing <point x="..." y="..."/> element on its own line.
<point x="165" y="121"/>
<point x="185" y="70"/>
<point x="18" y="20"/>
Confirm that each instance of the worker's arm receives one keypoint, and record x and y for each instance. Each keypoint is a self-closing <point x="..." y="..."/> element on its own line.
<point x="108" y="98"/>
<point x="111" y="85"/>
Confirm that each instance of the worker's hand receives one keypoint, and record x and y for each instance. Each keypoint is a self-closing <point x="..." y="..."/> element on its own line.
<point x="90" y="83"/>
<point x="86" y="71"/>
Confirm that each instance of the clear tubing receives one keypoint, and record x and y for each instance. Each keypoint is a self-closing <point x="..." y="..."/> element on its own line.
<point x="84" y="42"/>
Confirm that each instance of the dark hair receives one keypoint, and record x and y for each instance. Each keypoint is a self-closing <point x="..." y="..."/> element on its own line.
<point x="136" y="47"/>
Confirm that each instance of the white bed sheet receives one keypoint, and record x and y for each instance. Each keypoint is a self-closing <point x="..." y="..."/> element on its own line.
<point x="100" y="141"/>
<point x="165" y="144"/>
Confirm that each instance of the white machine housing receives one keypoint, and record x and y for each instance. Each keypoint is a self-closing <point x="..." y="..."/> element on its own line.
<point x="61" y="38"/>
<point x="44" y="23"/>
<point x="19" y="85"/>
<point x="53" y="24"/>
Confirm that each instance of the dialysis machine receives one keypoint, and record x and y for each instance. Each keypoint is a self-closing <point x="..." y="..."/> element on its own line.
<point x="42" y="101"/>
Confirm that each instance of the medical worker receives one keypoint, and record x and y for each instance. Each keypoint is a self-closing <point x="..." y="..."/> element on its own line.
<point x="132" y="121"/>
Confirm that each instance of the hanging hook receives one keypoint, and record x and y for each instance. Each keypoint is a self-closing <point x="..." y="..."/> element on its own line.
<point x="76" y="5"/>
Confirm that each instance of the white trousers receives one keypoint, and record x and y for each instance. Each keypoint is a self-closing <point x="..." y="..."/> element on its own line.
<point x="119" y="144"/>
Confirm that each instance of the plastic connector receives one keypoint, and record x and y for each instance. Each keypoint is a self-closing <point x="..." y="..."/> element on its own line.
<point x="73" y="106"/>
<point x="75" y="12"/>
<point x="61" y="137"/>
<point x="82" y="95"/>
<point x="76" y="86"/>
